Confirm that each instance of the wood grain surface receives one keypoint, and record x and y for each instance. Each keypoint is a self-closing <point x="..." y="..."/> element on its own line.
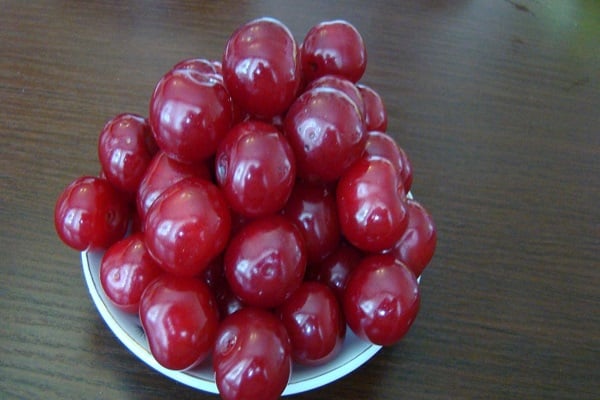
<point x="497" y="104"/>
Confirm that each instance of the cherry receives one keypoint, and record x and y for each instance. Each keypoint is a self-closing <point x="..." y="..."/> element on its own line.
<point x="190" y="112"/>
<point x="256" y="169"/>
<point x="375" y="111"/>
<point x="90" y="214"/>
<point x="261" y="68"/>
<point x="252" y="356"/>
<point x="333" y="47"/>
<point x="265" y="261"/>
<point x="383" y="145"/>
<point x="371" y="206"/>
<point x="180" y="319"/>
<point x="187" y="226"/>
<point x="125" y="148"/>
<point x="381" y="300"/>
<point x="326" y="130"/>
<point x="315" y="323"/>
<point x="340" y="83"/>
<point x="163" y="172"/>
<point x="417" y="245"/>
<point x="126" y="270"/>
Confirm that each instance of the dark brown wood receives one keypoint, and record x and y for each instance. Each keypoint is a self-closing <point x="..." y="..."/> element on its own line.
<point x="497" y="104"/>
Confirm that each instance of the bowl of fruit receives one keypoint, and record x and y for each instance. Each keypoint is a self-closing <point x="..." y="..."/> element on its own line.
<point x="255" y="234"/>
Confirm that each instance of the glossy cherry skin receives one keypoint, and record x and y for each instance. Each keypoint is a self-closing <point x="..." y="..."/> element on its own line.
<point x="342" y="84"/>
<point x="265" y="261"/>
<point x="417" y="245"/>
<point x="252" y="356"/>
<point x="333" y="47"/>
<point x="261" y="67"/>
<point x="187" y="226"/>
<point x="126" y="270"/>
<point x="90" y="214"/>
<point x="212" y="70"/>
<point x="218" y="66"/>
<point x="255" y="168"/>
<point x="125" y="148"/>
<point x="201" y="65"/>
<point x="371" y="206"/>
<point x="335" y="270"/>
<point x="375" y="112"/>
<point x="313" y="209"/>
<point x="381" y="300"/>
<point x="314" y="321"/>
<point x="190" y="112"/>
<point x="180" y="319"/>
<point x="407" y="171"/>
<point x="383" y="145"/>
<point x="162" y="173"/>
<point x="327" y="133"/>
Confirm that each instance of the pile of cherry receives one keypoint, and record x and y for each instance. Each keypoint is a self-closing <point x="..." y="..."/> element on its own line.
<point x="258" y="211"/>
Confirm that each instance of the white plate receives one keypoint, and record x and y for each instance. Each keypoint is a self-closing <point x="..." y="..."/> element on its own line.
<point x="355" y="352"/>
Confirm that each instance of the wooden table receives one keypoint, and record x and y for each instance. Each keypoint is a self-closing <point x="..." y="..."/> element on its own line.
<point x="497" y="104"/>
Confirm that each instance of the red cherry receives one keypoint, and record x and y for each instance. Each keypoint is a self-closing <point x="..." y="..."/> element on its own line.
<point x="90" y="214"/>
<point x="383" y="145"/>
<point x="417" y="245"/>
<point x="342" y="84"/>
<point x="315" y="323"/>
<point x="252" y="356"/>
<point x="187" y="226"/>
<point x="125" y="148"/>
<point x="326" y="130"/>
<point x="126" y="270"/>
<point x="381" y="300"/>
<point x="162" y="173"/>
<point x="261" y="68"/>
<point x="190" y="112"/>
<point x="333" y="47"/>
<point x="375" y="112"/>
<point x="256" y="169"/>
<point x="371" y="207"/>
<point x="265" y="261"/>
<point x="180" y="319"/>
